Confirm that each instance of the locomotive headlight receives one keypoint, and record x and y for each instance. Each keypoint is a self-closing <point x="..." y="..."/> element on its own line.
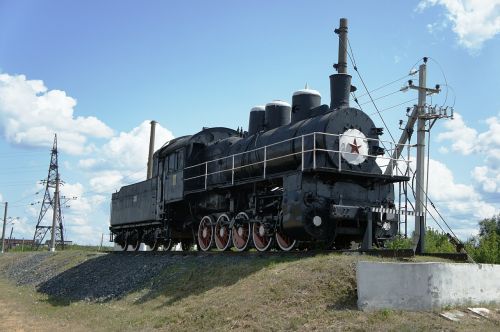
<point x="317" y="221"/>
<point x="353" y="146"/>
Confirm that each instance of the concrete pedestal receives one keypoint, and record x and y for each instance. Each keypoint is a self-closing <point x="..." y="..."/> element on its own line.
<point x="426" y="286"/>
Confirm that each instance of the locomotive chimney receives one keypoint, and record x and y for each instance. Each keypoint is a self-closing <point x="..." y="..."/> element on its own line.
<point x="151" y="149"/>
<point x="340" y="83"/>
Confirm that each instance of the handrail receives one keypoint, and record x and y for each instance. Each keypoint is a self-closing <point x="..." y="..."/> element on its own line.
<point x="301" y="152"/>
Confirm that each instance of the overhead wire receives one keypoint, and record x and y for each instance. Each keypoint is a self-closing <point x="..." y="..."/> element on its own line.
<point x="411" y="73"/>
<point x="364" y="84"/>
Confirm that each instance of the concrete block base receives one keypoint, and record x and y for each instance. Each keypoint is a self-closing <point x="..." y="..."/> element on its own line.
<point x="426" y="286"/>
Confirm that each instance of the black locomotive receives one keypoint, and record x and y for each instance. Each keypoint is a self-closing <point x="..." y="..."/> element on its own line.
<point x="302" y="173"/>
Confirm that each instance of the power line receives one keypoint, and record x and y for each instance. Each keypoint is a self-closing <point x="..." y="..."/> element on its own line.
<point x="394" y="106"/>
<point x="389" y="83"/>
<point x="382" y="97"/>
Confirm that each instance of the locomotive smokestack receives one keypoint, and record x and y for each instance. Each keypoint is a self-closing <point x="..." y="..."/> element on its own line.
<point x="151" y="149"/>
<point x="340" y="84"/>
<point x="342" y="32"/>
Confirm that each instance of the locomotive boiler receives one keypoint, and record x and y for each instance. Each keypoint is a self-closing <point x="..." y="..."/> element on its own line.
<point x="304" y="173"/>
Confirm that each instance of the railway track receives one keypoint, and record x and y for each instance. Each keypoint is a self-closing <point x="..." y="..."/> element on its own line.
<point x="387" y="253"/>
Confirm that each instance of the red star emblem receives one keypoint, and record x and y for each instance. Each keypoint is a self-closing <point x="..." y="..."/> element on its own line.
<point x="354" y="147"/>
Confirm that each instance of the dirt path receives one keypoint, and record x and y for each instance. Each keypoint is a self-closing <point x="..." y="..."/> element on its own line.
<point x="12" y="320"/>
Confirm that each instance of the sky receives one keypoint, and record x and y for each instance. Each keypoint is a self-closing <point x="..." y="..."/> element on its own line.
<point x="97" y="72"/>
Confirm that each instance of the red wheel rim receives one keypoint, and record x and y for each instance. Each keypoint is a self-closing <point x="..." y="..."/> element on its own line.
<point x="205" y="233"/>
<point x="261" y="240"/>
<point x="241" y="232"/>
<point x="222" y="233"/>
<point x="285" y="242"/>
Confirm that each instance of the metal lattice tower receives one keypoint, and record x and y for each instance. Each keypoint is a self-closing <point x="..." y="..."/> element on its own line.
<point x="50" y="201"/>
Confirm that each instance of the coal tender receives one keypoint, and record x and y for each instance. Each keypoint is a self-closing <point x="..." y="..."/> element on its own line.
<point x="303" y="175"/>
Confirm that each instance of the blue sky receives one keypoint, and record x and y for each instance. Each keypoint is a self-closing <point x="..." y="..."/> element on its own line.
<point x="96" y="71"/>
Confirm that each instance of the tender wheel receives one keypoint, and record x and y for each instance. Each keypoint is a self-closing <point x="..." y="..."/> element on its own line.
<point x="261" y="238"/>
<point x="186" y="245"/>
<point x="285" y="242"/>
<point x="156" y="240"/>
<point x="168" y="245"/>
<point x="121" y="240"/>
<point x="222" y="233"/>
<point x="241" y="232"/>
<point x="205" y="233"/>
<point x="134" y="239"/>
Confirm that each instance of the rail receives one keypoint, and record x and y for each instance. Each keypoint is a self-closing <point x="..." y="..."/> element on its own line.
<point x="227" y="164"/>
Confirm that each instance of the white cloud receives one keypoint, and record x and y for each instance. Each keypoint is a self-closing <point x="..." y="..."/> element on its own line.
<point x="443" y="150"/>
<point x="461" y="205"/>
<point x="30" y="114"/>
<point x="460" y="200"/>
<point x="23" y="228"/>
<point x="466" y="141"/>
<point x="123" y="158"/>
<point x="107" y="181"/>
<point x="473" y="21"/>
<point x="79" y="216"/>
<point x="488" y="179"/>
<point x="463" y="138"/>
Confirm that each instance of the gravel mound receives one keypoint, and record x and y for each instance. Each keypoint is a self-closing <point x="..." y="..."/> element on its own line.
<point x="98" y="277"/>
<point x="27" y="269"/>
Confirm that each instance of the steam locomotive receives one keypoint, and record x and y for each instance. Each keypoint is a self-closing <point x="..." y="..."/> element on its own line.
<point x="304" y="173"/>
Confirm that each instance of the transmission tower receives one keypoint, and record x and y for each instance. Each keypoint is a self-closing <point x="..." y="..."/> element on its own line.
<point x="50" y="201"/>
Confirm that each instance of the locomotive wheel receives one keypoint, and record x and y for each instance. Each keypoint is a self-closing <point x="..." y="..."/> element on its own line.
<point x="261" y="240"/>
<point x="241" y="232"/>
<point x="285" y="242"/>
<point x="205" y="233"/>
<point x="222" y="233"/>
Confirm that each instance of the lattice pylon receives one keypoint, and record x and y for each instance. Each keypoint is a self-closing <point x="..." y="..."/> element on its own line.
<point x="49" y="200"/>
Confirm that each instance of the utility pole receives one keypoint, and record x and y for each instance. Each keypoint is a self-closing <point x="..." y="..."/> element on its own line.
<point x="424" y="113"/>
<point x="102" y="239"/>
<point x="420" y="115"/>
<point x="420" y="176"/>
<point x="4" y="224"/>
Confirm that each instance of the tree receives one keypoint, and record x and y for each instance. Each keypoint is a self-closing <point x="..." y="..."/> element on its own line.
<point x="485" y="248"/>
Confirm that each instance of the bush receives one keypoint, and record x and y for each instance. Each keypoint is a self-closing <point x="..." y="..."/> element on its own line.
<point x="399" y="242"/>
<point x="437" y="242"/>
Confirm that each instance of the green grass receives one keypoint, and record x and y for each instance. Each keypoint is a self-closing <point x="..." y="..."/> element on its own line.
<point x="217" y="293"/>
